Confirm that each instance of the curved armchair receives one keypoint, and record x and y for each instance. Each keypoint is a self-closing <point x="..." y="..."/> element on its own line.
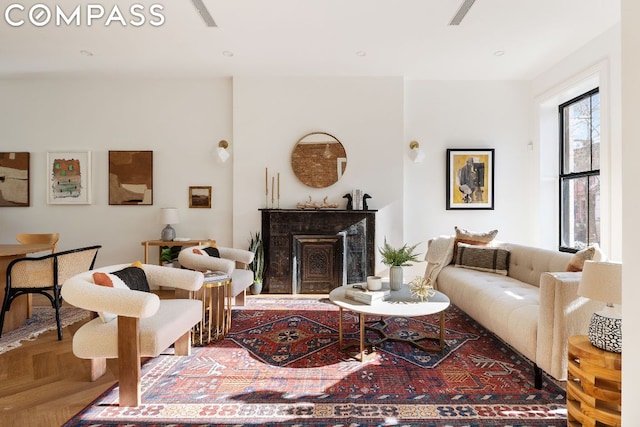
<point x="232" y="261"/>
<point x="145" y="325"/>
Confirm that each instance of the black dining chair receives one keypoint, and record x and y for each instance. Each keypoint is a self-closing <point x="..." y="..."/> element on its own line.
<point x="45" y="275"/>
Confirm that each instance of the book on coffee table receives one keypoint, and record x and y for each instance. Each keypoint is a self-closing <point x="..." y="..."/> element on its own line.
<point x="366" y="296"/>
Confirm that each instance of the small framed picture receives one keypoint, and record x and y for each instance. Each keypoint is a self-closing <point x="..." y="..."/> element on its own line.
<point x="470" y="178"/>
<point x="200" y="196"/>
<point x="69" y="178"/>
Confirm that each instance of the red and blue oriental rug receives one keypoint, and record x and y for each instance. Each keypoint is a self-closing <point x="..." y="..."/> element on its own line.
<point x="281" y="365"/>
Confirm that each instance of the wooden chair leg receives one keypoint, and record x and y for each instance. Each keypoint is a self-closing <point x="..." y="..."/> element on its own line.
<point x="98" y="368"/>
<point x="182" y="346"/>
<point x="129" y="360"/>
<point x="240" y="298"/>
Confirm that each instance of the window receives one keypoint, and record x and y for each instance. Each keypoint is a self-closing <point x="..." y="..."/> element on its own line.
<point x="580" y="172"/>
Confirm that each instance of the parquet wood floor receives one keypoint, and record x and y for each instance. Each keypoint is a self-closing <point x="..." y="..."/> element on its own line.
<point x="42" y="384"/>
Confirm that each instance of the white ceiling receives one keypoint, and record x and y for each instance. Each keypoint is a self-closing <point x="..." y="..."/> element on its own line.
<point x="409" y="38"/>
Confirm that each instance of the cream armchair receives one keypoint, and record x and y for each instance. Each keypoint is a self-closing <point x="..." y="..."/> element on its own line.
<point x="145" y="326"/>
<point x="234" y="262"/>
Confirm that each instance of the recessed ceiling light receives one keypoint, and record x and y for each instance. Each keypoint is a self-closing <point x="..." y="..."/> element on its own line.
<point x="227" y="53"/>
<point x="86" y="53"/>
<point x="498" y="53"/>
<point x="361" y="53"/>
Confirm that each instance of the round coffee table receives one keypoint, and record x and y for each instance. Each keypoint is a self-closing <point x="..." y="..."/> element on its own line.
<point x="397" y="304"/>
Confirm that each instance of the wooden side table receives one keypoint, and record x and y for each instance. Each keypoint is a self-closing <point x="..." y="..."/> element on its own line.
<point x="594" y="385"/>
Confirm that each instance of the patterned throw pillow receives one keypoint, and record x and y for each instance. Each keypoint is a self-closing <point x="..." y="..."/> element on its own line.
<point x="110" y="281"/>
<point x="472" y="238"/>
<point x="211" y="251"/>
<point x="134" y="277"/>
<point x="577" y="261"/>
<point x="493" y="260"/>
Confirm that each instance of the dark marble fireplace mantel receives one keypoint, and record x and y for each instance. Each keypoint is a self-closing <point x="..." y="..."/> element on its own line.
<point x="347" y="235"/>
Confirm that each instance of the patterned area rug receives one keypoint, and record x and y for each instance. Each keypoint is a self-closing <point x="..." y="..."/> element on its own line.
<point x="42" y="320"/>
<point x="281" y="365"/>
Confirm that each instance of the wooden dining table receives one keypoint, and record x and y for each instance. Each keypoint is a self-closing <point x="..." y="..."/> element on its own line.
<point x="21" y="306"/>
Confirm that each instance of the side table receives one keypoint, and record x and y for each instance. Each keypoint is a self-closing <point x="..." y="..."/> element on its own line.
<point x="215" y="295"/>
<point x="594" y="385"/>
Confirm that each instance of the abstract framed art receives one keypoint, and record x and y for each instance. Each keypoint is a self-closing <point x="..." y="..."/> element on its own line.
<point x="130" y="177"/>
<point x="14" y="179"/>
<point x="200" y="197"/>
<point x="69" y="178"/>
<point x="470" y="176"/>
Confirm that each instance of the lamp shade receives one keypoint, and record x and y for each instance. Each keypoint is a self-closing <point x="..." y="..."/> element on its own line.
<point x="169" y="216"/>
<point x="601" y="281"/>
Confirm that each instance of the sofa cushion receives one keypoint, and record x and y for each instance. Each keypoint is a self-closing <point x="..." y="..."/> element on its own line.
<point x="211" y="251"/>
<point x="110" y="281"/>
<point x="493" y="260"/>
<point x="577" y="261"/>
<point x="472" y="238"/>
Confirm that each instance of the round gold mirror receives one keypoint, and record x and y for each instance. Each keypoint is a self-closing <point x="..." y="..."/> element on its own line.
<point x="319" y="159"/>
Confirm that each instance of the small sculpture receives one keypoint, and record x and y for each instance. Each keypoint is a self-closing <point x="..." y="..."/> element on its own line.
<point x="310" y="204"/>
<point x="349" y="201"/>
<point x="364" y="201"/>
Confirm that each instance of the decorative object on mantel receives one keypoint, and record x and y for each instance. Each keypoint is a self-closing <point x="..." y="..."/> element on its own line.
<point x="602" y="281"/>
<point x="275" y="189"/>
<point x="396" y="258"/>
<point x="421" y="288"/>
<point x="357" y="199"/>
<point x="365" y="206"/>
<point x="309" y="204"/>
<point x="349" y="198"/>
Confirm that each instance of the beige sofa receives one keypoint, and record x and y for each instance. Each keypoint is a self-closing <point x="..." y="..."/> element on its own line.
<point x="534" y="308"/>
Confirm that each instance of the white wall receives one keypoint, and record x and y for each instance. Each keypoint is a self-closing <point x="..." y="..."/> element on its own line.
<point x="630" y="155"/>
<point x="467" y="114"/>
<point x="597" y="64"/>
<point x="181" y="120"/>
<point x="271" y="114"/>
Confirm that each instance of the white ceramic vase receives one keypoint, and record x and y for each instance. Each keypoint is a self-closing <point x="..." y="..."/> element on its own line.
<point x="395" y="278"/>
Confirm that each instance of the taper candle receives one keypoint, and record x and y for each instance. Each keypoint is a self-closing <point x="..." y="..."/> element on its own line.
<point x="278" y="185"/>
<point x="272" y="184"/>
<point x="266" y="182"/>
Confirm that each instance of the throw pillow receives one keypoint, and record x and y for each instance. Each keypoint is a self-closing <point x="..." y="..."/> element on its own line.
<point x="577" y="261"/>
<point x="211" y="251"/>
<point x="110" y="281"/>
<point x="482" y="258"/>
<point x="134" y="277"/>
<point x="472" y="238"/>
<point x="197" y="251"/>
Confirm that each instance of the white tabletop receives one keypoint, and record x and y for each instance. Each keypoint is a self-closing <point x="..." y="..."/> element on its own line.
<point x="399" y="303"/>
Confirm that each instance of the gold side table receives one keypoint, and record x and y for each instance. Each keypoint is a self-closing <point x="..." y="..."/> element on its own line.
<point x="215" y="295"/>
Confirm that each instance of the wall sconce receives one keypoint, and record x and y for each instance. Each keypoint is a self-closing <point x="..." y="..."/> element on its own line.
<point x="416" y="154"/>
<point x="223" y="153"/>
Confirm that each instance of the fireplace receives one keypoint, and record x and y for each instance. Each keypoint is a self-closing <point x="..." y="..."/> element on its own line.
<point x="315" y="251"/>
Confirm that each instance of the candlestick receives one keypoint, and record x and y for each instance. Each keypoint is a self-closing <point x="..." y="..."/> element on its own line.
<point x="266" y="188"/>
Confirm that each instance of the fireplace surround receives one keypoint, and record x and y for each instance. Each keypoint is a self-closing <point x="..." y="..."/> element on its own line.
<point x="316" y="250"/>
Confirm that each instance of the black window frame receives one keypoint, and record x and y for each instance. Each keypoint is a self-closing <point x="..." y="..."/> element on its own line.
<point x="573" y="175"/>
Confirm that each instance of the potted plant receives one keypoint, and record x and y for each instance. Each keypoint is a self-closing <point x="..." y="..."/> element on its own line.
<point x="396" y="258"/>
<point x="257" y="265"/>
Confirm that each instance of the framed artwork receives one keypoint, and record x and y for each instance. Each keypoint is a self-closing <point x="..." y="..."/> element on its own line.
<point x="200" y="197"/>
<point x="470" y="178"/>
<point x="14" y="180"/>
<point x="69" y="178"/>
<point x="130" y="177"/>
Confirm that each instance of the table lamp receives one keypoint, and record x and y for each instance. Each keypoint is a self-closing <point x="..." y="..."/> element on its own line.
<point x="169" y="216"/>
<point x="602" y="281"/>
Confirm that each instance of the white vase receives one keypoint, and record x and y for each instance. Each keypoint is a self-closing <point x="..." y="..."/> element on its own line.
<point x="395" y="278"/>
